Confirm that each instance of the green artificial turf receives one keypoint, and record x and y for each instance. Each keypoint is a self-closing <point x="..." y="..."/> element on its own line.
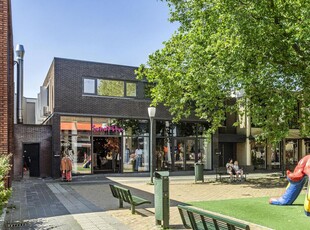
<point x="259" y="211"/>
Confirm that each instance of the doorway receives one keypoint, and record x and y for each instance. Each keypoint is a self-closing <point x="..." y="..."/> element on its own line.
<point x="31" y="159"/>
<point x="185" y="154"/>
<point x="106" y="154"/>
<point x="228" y="151"/>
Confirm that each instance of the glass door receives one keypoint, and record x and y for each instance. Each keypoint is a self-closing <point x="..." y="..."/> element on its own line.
<point x="184" y="154"/>
<point x="178" y="155"/>
<point x="106" y="154"/>
<point x="190" y="154"/>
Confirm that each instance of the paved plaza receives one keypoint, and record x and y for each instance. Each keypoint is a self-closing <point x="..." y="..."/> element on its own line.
<point x="87" y="202"/>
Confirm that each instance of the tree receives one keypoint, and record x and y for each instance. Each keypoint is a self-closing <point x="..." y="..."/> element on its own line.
<point x="258" y="48"/>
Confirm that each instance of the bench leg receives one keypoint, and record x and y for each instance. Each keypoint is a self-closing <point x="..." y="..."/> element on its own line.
<point x="120" y="203"/>
<point x="133" y="210"/>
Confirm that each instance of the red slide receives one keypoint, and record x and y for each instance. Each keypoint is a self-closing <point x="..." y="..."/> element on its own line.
<point x="302" y="168"/>
<point x="296" y="181"/>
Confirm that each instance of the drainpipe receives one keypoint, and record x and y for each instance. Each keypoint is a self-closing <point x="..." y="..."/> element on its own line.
<point x="20" y="81"/>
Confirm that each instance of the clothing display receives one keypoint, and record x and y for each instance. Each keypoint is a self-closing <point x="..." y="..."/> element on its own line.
<point x="66" y="168"/>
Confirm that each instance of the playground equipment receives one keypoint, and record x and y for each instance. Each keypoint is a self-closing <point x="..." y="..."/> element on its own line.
<point x="296" y="181"/>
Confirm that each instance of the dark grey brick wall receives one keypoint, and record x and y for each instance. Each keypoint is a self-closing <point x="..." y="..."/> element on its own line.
<point x="26" y="134"/>
<point x="69" y="96"/>
<point x="68" y="78"/>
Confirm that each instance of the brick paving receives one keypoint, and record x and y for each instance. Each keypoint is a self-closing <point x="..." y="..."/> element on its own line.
<point x="181" y="191"/>
<point x="87" y="202"/>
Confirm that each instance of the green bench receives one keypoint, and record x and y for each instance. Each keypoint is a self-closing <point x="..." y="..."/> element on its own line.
<point x="196" y="219"/>
<point x="124" y="195"/>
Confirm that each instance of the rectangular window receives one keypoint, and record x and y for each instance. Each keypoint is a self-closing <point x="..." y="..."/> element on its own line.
<point x="89" y="86"/>
<point x="110" y="88"/>
<point x="131" y="89"/>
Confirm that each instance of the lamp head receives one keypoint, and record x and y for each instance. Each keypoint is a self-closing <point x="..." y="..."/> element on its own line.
<point x="151" y="111"/>
<point x="20" y="51"/>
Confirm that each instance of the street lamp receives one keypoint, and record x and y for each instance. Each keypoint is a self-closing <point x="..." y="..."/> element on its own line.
<point x="152" y="112"/>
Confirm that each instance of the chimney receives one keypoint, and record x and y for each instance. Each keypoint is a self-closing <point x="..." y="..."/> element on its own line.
<point x="20" y="81"/>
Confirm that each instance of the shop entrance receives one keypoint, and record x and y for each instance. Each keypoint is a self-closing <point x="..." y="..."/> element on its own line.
<point x="185" y="154"/>
<point x="227" y="152"/>
<point x="106" y="154"/>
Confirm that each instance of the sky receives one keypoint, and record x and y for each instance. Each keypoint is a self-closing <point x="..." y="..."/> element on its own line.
<point x="121" y="32"/>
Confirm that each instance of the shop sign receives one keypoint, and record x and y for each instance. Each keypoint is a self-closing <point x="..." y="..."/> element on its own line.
<point x="112" y="128"/>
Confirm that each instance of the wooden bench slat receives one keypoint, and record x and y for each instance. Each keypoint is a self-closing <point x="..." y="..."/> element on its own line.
<point x="124" y="194"/>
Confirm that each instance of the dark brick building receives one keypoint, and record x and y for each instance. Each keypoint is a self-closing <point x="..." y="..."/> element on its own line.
<point x="99" y="118"/>
<point x="6" y="79"/>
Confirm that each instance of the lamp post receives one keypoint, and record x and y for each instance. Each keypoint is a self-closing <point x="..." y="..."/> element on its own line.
<point x="152" y="112"/>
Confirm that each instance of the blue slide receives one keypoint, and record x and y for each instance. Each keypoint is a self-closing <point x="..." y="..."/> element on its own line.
<point x="292" y="191"/>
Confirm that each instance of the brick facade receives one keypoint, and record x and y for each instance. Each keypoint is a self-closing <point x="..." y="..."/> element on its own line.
<point x="65" y="87"/>
<point x="29" y="134"/>
<point x="69" y="97"/>
<point x="6" y="79"/>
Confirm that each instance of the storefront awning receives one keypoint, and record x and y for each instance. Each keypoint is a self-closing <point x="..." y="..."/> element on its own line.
<point x="67" y="126"/>
<point x="83" y="126"/>
<point x="77" y="126"/>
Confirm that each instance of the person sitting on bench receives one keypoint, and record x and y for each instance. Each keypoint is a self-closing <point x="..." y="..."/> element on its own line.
<point x="238" y="170"/>
<point x="230" y="169"/>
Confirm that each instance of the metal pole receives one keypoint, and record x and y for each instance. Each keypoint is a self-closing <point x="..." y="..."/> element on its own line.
<point x="151" y="150"/>
<point x="21" y="91"/>
<point x="17" y="92"/>
<point x="20" y="52"/>
<point x="282" y="148"/>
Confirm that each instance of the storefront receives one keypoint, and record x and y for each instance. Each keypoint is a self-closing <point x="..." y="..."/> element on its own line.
<point x="105" y="145"/>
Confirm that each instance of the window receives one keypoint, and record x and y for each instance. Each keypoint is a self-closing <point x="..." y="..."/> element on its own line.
<point x="89" y="86"/>
<point x="110" y="88"/>
<point x="258" y="151"/>
<point x="131" y="89"/>
<point x="291" y="152"/>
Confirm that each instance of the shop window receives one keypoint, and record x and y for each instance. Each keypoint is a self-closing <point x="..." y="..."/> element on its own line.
<point x="205" y="153"/>
<point x="275" y="156"/>
<point x="258" y="151"/>
<point x="106" y="126"/>
<point x="133" y="126"/>
<point x="291" y="152"/>
<point x="136" y="154"/>
<point x="131" y="89"/>
<point x="307" y="146"/>
<point x="110" y="88"/>
<point x="78" y="149"/>
<point x="163" y="154"/>
<point x="185" y="129"/>
<point x="89" y="86"/>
